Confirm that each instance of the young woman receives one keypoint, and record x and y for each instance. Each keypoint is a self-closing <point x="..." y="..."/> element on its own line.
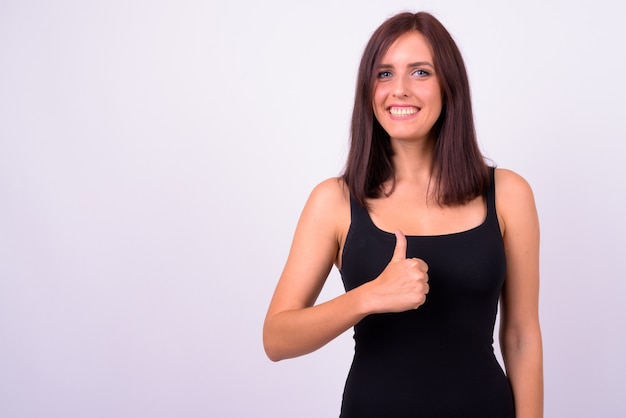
<point x="428" y="238"/>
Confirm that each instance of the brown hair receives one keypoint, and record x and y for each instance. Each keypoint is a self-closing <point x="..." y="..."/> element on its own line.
<point x="460" y="172"/>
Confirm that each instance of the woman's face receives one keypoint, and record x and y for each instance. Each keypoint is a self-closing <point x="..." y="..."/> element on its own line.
<point x="407" y="98"/>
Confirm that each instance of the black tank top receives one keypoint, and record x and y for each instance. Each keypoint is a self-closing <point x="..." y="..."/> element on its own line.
<point x="437" y="360"/>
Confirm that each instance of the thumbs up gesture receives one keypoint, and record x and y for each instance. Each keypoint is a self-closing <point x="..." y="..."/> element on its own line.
<point x="403" y="285"/>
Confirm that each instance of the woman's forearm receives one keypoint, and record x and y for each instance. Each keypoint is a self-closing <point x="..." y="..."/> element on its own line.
<point x="292" y="333"/>
<point x="524" y="365"/>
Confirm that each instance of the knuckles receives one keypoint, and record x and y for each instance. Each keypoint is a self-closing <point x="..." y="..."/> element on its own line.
<point x="408" y="280"/>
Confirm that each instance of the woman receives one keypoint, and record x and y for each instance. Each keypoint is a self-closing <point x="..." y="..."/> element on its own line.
<point x="427" y="238"/>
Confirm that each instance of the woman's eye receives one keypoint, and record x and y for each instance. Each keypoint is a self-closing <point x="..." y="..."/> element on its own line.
<point x="384" y="74"/>
<point x="421" y="73"/>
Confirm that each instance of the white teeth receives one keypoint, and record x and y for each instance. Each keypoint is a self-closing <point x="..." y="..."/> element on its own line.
<point x="402" y="111"/>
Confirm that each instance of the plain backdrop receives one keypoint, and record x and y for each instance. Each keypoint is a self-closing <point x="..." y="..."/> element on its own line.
<point x="155" y="156"/>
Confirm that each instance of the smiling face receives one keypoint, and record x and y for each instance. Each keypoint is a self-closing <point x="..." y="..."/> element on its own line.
<point x="407" y="98"/>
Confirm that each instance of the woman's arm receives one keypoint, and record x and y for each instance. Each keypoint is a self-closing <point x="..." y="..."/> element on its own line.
<point x="520" y="334"/>
<point x="294" y="325"/>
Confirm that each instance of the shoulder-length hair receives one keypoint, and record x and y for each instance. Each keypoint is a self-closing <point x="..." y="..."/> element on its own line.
<point x="460" y="173"/>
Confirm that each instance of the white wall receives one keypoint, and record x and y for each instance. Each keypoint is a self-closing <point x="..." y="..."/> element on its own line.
<point x="154" y="158"/>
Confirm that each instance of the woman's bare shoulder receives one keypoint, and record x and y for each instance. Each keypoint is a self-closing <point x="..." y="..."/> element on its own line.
<point x="331" y="194"/>
<point x="515" y="201"/>
<point x="327" y="210"/>
<point x="324" y="220"/>
<point x="510" y="185"/>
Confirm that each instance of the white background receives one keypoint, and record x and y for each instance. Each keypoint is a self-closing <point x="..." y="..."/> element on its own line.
<point x="155" y="156"/>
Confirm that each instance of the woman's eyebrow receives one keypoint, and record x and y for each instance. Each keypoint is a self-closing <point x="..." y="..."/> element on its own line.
<point x="421" y="64"/>
<point x="413" y="64"/>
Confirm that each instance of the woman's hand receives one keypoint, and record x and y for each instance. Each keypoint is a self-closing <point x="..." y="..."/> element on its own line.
<point x="403" y="285"/>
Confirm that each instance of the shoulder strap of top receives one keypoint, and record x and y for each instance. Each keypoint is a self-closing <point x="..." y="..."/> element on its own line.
<point x="491" y="195"/>
<point x="358" y="214"/>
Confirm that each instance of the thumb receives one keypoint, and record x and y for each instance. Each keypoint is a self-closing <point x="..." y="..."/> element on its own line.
<point x="399" y="253"/>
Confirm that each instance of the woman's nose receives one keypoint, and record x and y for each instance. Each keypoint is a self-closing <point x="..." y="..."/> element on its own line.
<point x="400" y="88"/>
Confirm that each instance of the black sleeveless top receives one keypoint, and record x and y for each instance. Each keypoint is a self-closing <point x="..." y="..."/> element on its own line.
<point x="437" y="360"/>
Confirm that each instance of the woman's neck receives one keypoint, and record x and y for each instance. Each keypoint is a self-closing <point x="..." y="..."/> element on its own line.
<point x="413" y="161"/>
